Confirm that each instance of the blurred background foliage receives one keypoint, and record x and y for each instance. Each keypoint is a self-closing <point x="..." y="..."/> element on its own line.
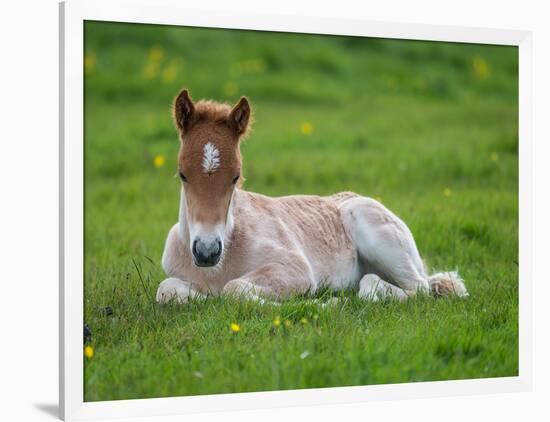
<point x="356" y="97"/>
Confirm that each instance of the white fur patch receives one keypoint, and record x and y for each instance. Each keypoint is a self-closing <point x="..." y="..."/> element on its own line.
<point x="211" y="158"/>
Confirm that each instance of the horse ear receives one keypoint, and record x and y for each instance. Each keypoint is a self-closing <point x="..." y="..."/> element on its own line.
<point x="240" y="116"/>
<point x="183" y="110"/>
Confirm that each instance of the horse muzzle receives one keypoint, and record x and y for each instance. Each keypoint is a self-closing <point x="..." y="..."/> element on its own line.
<point x="206" y="254"/>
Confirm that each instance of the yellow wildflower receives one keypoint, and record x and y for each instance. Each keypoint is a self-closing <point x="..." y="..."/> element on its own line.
<point x="169" y="73"/>
<point x="481" y="67"/>
<point x="277" y="321"/>
<point x="156" y="53"/>
<point x="249" y="66"/>
<point x="89" y="61"/>
<point x="159" y="161"/>
<point x="89" y="352"/>
<point x="287" y="323"/>
<point x="303" y="321"/>
<point x="235" y="327"/>
<point x="447" y="192"/>
<point x="306" y="128"/>
<point x="494" y="156"/>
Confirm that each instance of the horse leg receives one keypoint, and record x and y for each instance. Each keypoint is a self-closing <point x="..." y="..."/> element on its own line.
<point x="175" y="289"/>
<point x="385" y="246"/>
<point x="373" y="288"/>
<point x="272" y="281"/>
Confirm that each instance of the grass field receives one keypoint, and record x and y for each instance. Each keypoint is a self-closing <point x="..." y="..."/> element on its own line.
<point x="430" y="129"/>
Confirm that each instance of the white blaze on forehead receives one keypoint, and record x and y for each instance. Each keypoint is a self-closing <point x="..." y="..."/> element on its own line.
<point x="210" y="158"/>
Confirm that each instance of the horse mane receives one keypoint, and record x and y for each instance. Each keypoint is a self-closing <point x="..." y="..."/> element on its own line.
<point x="208" y="110"/>
<point x="216" y="112"/>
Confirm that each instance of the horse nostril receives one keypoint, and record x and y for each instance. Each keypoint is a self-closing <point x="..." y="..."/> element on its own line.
<point x="206" y="254"/>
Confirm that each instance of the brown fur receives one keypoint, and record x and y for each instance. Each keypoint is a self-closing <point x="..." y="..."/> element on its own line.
<point x="208" y="111"/>
<point x="219" y="124"/>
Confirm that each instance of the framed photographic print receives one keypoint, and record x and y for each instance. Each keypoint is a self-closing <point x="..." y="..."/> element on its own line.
<point x="262" y="211"/>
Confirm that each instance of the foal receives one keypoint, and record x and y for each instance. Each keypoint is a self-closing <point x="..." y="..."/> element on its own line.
<point x="232" y="241"/>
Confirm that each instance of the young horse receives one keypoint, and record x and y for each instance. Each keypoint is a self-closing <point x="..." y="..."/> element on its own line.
<point x="232" y="241"/>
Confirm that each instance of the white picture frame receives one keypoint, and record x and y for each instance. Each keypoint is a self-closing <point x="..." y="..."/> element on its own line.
<point x="73" y="13"/>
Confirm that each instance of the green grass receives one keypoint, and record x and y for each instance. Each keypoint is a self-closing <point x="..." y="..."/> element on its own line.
<point x="401" y="121"/>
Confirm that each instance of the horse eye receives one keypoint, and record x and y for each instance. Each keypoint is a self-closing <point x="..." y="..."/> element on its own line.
<point x="236" y="178"/>
<point x="182" y="177"/>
